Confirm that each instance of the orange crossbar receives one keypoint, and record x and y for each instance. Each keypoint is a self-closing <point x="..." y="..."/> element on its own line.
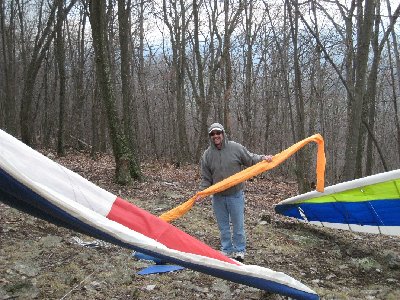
<point x="254" y="171"/>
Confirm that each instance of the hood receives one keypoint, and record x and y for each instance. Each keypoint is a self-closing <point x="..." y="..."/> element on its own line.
<point x="217" y="126"/>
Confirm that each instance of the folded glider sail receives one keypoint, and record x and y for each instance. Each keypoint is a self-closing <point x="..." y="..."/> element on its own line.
<point x="39" y="186"/>
<point x="370" y="204"/>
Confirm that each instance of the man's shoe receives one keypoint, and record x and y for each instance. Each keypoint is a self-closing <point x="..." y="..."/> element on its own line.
<point x="230" y="255"/>
<point x="239" y="256"/>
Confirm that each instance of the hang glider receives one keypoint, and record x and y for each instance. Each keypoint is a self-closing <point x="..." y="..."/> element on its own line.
<point x="33" y="183"/>
<point x="370" y="204"/>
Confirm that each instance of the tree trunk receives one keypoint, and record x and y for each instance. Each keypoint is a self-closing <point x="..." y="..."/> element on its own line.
<point x="7" y="104"/>
<point x="203" y="99"/>
<point x="60" y="61"/>
<point x="370" y="98"/>
<point x="227" y="68"/>
<point x="143" y="86"/>
<point x="395" y="80"/>
<point x="248" y="105"/>
<point x="301" y="156"/>
<point x="354" y="128"/>
<point x="124" y="38"/>
<point x="394" y="100"/>
<point x="79" y="107"/>
<point x="177" y="30"/>
<point x="121" y="150"/>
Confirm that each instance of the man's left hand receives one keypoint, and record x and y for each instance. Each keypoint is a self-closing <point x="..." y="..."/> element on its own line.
<point x="268" y="158"/>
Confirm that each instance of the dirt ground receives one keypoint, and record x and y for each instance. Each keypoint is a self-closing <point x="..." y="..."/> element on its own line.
<point x="39" y="260"/>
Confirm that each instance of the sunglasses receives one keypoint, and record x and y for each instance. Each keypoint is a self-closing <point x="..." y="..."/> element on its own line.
<point x="215" y="133"/>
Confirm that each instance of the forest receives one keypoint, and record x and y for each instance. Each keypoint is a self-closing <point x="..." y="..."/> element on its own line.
<point x="144" y="79"/>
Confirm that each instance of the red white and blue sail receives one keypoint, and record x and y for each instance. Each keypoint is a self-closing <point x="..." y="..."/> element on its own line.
<point x="370" y="204"/>
<point x="39" y="186"/>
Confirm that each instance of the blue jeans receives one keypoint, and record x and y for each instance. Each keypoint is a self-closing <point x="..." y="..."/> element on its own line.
<point x="230" y="210"/>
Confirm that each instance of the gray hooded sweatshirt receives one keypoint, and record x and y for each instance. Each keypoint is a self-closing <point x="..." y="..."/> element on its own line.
<point x="217" y="165"/>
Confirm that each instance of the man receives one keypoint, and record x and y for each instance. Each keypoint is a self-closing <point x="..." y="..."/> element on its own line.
<point x="222" y="159"/>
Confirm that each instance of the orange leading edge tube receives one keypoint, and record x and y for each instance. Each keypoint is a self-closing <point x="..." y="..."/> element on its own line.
<point x="254" y="171"/>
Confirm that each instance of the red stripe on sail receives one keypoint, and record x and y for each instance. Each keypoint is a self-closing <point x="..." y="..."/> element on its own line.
<point x="151" y="226"/>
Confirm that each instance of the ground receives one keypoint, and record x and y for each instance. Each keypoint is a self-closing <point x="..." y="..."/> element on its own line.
<point x="39" y="260"/>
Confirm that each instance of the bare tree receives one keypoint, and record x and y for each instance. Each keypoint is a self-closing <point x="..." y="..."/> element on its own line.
<point x="143" y="84"/>
<point x="301" y="157"/>
<point x="60" y="56"/>
<point x="248" y="105"/>
<point x="42" y="43"/>
<point x="175" y="19"/>
<point x="125" y="164"/>
<point x="80" y="99"/>
<point x="365" y="20"/>
<point x="395" y="81"/>
<point x="231" y="19"/>
<point x="368" y="118"/>
<point x="282" y="53"/>
<point x="8" y="39"/>
<point x="127" y="95"/>
<point x="202" y="75"/>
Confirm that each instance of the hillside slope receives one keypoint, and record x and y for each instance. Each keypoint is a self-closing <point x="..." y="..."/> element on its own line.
<point x="41" y="261"/>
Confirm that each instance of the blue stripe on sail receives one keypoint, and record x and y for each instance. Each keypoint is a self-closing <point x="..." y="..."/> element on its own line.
<point x="17" y="195"/>
<point x="373" y="213"/>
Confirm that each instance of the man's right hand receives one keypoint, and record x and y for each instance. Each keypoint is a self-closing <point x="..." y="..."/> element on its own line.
<point x="200" y="199"/>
